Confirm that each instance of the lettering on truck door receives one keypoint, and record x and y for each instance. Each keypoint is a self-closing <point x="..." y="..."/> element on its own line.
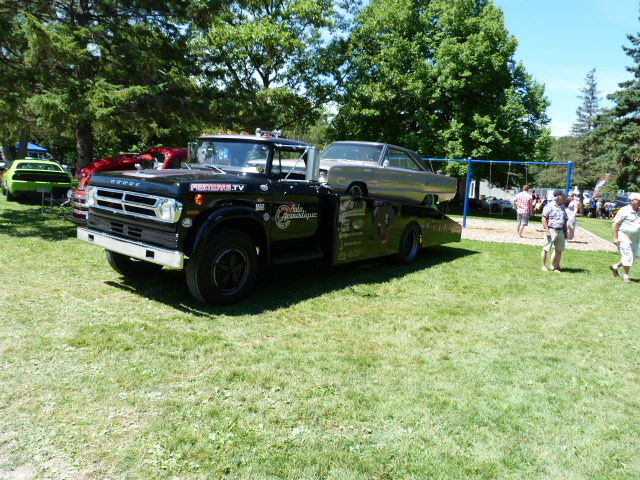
<point x="294" y="210"/>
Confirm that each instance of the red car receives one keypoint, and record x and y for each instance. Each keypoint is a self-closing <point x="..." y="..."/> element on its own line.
<point x="155" y="157"/>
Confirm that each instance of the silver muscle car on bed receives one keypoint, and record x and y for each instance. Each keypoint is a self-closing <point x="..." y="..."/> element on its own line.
<point x="384" y="171"/>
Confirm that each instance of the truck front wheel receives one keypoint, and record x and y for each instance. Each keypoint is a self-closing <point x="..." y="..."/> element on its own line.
<point x="224" y="270"/>
<point x="131" y="267"/>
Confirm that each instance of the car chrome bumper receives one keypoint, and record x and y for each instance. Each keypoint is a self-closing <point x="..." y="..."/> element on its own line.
<point x="137" y="250"/>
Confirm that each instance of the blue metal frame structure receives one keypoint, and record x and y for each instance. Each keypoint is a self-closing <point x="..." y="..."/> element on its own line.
<point x="470" y="162"/>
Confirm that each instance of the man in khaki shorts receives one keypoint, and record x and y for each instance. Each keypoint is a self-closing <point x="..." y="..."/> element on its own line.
<point x="554" y="220"/>
<point x="626" y="236"/>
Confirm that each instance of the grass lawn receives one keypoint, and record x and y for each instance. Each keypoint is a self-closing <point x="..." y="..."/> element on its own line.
<point x="470" y="363"/>
<point x="597" y="226"/>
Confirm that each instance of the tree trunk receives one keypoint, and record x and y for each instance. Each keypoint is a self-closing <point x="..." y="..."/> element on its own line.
<point x="8" y="150"/>
<point x="24" y="145"/>
<point x="84" y="142"/>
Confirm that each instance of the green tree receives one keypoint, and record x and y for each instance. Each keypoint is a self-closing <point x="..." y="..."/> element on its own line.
<point x="619" y="130"/>
<point x="581" y="148"/>
<point x="588" y="112"/>
<point x="16" y="84"/>
<point x="439" y="76"/>
<point x="265" y="60"/>
<point x="116" y="67"/>
<point x="562" y="149"/>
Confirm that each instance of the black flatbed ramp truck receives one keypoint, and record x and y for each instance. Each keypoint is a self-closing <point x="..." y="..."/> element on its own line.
<point x="222" y="224"/>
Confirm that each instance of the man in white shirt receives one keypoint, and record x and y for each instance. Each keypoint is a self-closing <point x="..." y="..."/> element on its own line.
<point x="626" y="236"/>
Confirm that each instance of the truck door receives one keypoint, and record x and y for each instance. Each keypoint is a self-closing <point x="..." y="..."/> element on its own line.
<point x="295" y="202"/>
<point x="294" y="210"/>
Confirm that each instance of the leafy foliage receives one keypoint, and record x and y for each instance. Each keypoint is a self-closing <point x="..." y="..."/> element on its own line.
<point x="432" y="75"/>
<point x="265" y="60"/>
<point x="588" y="112"/>
<point x="580" y="148"/>
<point x="439" y="77"/>
<point x="619" y="127"/>
<point x="122" y="65"/>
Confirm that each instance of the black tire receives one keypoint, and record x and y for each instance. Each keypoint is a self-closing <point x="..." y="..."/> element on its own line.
<point x="224" y="270"/>
<point x="10" y="198"/>
<point x="131" y="267"/>
<point x="357" y="190"/>
<point x="410" y="244"/>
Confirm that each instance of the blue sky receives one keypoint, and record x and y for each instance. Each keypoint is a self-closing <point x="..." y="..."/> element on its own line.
<point x="560" y="41"/>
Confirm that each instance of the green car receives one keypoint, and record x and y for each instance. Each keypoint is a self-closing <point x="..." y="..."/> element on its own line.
<point x="28" y="176"/>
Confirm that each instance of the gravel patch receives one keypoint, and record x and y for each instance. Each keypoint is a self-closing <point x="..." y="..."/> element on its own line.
<point x="505" y="232"/>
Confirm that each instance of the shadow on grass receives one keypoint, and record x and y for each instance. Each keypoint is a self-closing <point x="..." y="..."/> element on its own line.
<point x="572" y="270"/>
<point x="28" y="220"/>
<point x="285" y="285"/>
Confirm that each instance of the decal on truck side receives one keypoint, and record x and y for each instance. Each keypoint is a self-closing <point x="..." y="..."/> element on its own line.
<point x="217" y="187"/>
<point x="286" y="213"/>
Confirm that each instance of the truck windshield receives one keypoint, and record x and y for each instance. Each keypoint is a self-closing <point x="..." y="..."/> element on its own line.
<point x="231" y="155"/>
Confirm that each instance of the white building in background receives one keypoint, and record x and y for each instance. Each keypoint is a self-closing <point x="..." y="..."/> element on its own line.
<point x="488" y="190"/>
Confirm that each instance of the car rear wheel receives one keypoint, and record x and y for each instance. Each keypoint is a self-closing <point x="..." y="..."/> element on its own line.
<point x="357" y="190"/>
<point x="131" y="267"/>
<point x="410" y="244"/>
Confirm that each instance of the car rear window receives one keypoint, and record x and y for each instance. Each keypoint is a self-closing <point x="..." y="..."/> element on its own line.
<point x="38" y="166"/>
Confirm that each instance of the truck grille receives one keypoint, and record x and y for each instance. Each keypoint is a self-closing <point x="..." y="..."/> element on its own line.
<point x="159" y="234"/>
<point x="132" y="203"/>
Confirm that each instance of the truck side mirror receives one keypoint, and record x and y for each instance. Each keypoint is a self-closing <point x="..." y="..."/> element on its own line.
<point x="312" y="172"/>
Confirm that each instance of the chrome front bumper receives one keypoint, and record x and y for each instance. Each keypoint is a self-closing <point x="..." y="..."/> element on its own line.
<point x="137" y="250"/>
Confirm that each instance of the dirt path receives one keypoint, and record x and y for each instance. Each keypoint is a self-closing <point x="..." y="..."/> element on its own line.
<point x="505" y="232"/>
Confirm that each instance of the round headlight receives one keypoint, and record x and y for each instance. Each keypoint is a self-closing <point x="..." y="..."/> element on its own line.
<point x="169" y="210"/>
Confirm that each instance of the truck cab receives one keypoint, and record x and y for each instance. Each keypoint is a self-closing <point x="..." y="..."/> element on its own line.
<point x="261" y="189"/>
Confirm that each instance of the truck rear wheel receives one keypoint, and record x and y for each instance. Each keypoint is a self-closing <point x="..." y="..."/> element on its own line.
<point x="131" y="267"/>
<point x="224" y="270"/>
<point x="410" y="244"/>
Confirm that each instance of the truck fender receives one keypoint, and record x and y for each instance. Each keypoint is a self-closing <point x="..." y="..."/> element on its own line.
<point x="239" y="217"/>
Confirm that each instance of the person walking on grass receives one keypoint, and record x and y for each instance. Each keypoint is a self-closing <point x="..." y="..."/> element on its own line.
<point x="626" y="236"/>
<point x="554" y="221"/>
<point x="523" y="202"/>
